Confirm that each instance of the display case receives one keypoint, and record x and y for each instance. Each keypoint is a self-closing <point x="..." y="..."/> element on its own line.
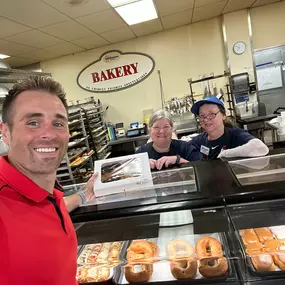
<point x="259" y="170"/>
<point x="171" y="247"/>
<point x="260" y="231"/>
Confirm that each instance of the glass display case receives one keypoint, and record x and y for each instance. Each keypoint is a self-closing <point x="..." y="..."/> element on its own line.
<point x="259" y="170"/>
<point x="193" y="246"/>
<point x="260" y="231"/>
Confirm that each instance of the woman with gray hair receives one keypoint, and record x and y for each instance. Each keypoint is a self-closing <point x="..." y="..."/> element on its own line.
<point x="163" y="150"/>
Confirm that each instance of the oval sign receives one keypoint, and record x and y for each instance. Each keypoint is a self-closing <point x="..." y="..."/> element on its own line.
<point x="115" y="71"/>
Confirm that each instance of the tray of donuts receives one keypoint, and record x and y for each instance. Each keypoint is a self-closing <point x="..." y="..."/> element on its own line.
<point x="97" y="263"/>
<point x="265" y="250"/>
<point x="198" y="260"/>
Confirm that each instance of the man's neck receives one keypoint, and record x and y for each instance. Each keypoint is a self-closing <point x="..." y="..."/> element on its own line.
<point x="216" y="134"/>
<point x="45" y="181"/>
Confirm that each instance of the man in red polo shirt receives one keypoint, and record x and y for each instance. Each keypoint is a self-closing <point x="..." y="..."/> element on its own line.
<point x="37" y="240"/>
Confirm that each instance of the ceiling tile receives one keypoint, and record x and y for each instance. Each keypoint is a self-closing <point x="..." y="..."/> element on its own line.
<point x="102" y="22"/>
<point x="176" y="20"/>
<point x="119" y="35"/>
<point x="146" y="28"/>
<point x="16" y="62"/>
<point x="39" y="55"/>
<point x="199" y="3"/>
<point x="91" y="42"/>
<point x="64" y="49"/>
<point x="69" y="30"/>
<point x="208" y="11"/>
<point x="35" y="39"/>
<point x="32" y="13"/>
<point x="13" y="48"/>
<point x="264" y="2"/>
<point x="235" y="5"/>
<point x="10" y="28"/>
<point x="166" y="7"/>
<point x="75" y="11"/>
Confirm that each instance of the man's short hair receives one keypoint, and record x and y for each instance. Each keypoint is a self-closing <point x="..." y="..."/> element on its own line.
<point x="35" y="83"/>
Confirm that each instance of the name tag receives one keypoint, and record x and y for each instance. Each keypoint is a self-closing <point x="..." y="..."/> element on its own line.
<point x="205" y="150"/>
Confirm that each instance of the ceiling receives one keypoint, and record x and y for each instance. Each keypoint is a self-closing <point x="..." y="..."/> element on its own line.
<point x="39" y="30"/>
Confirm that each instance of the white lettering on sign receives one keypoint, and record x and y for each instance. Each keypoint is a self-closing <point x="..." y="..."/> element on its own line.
<point x="115" y="71"/>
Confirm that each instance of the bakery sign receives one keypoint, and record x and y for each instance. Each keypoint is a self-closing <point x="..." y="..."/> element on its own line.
<point x="115" y="70"/>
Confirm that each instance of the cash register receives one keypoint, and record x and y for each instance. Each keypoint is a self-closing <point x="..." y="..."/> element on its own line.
<point x="136" y="129"/>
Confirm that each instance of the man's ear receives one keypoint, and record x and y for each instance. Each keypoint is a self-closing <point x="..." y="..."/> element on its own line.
<point x="6" y="135"/>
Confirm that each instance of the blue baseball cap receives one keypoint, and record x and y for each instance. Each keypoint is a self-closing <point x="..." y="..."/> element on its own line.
<point x="208" y="100"/>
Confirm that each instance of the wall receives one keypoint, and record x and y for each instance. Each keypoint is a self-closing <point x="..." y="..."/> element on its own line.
<point x="237" y="29"/>
<point x="268" y="24"/>
<point x="181" y="53"/>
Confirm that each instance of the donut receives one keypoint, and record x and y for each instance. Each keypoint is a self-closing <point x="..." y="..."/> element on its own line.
<point x="179" y="249"/>
<point x="254" y="248"/>
<point x="273" y="245"/>
<point x="263" y="263"/>
<point x="263" y="234"/>
<point x="213" y="267"/>
<point x="184" y="268"/>
<point x="279" y="260"/>
<point x="249" y="236"/>
<point x="141" y="250"/>
<point x="208" y="247"/>
<point x="138" y="273"/>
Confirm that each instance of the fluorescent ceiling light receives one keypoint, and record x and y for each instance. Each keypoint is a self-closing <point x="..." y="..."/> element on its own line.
<point x="117" y="3"/>
<point x="137" y="12"/>
<point x="2" y="56"/>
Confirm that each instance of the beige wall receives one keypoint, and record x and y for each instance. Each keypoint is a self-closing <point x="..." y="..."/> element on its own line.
<point x="237" y="29"/>
<point x="268" y="25"/>
<point x="181" y="53"/>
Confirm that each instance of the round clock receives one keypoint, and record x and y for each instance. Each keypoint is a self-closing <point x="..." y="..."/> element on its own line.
<point x="239" y="47"/>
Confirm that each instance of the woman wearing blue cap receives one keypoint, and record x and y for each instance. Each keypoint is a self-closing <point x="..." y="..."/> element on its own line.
<point x="219" y="141"/>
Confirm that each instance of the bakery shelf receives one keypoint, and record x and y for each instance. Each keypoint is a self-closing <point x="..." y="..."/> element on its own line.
<point x="80" y="165"/>
<point x="98" y="129"/>
<point x="78" y="134"/>
<point x="77" y="143"/>
<point x="62" y="175"/>
<point x="103" y="148"/>
<point x="101" y="139"/>
<point x="100" y="134"/>
<point x="62" y="168"/>
<point x="107" y="155"/>
<point x="78" y="154"/>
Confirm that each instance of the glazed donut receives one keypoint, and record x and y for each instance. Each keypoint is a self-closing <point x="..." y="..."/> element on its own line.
<point x="184" y="268"/>
<point x="213" y="267"/>
<point x="279" y="260"/>
<point x="141" y="250"/>
<point x="179" y="249"/>
<point x="263" y="263"/>
<point x="263" y="234"/>
<point x="209" y="247"/>
<point x="138" y="273"/>
<point x="248" y="236"/>
<point x="254" y="248"/>
<point x="273" y="245"/>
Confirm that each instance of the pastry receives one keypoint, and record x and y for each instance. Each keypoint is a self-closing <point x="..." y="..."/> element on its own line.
<point x="92" y="274"/>
<point x="213" y="267"/>
<point x="263" y="263"/>
<point x="184" y="268"/>
<point x="248" y="236"/>
<point x="263" y="234"/>
<point x="179" y="249"/>
<point x="254" y="248"/>
<point x="279" y="260"/>
<point x="138" y="273"/>
<point x="212" y="262"/>
<point x="141" y="250"/>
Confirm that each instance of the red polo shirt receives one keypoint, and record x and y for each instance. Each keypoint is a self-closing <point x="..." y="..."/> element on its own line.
<point x="38" y="244"/>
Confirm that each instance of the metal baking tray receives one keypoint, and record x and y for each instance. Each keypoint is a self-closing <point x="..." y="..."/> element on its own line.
<point x="254" y="272"/>
<point x="161" y="269"/>
<point x="112" y="269"/>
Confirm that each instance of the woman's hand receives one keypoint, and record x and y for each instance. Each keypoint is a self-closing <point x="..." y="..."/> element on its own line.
<point x="165" y="160"/>
<point x="152" y="163"/>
